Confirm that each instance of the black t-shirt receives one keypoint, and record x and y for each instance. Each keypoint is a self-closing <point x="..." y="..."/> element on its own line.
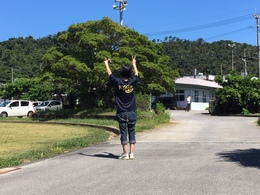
<point x="124" y="93"/>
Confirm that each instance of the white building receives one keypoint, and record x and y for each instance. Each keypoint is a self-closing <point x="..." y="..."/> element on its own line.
<point x="200" y="88"/>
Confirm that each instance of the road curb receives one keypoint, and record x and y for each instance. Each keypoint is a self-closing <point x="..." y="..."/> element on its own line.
<point x="6" y="170"/>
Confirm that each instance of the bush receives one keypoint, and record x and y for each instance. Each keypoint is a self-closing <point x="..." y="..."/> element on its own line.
<point x="143" y="101"/>
<point x="258" y="121"/>
<point x="159" y="109"/>
<point x="238" y="95"/>
<point x="245" y="111"/>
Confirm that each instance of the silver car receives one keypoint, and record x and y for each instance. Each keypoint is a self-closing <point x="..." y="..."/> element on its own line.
<point x="49" y="105"/>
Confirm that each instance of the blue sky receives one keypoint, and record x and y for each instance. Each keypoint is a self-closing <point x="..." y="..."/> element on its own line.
<point x="211" y="20"/>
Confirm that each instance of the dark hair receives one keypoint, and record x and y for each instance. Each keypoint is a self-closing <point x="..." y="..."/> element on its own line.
<point x="126" y="71"/>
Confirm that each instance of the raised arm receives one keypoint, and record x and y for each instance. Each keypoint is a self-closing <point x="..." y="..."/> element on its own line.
<point x="134" y="65"/>
<point x="106" y="62"/>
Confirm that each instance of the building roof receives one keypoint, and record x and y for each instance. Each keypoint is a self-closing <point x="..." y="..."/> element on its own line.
<point x="198" y="82"/>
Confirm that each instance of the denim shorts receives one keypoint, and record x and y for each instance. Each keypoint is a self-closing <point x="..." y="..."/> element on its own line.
<point x="127" y="121"/>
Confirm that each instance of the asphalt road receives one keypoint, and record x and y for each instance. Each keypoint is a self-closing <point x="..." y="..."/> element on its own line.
<point x="196" y="154"/>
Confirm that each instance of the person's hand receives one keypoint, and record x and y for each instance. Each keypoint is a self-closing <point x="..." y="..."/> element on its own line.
<point x="107" y="60"/>
<point x="134" y="65"/>
<point x="133" y="60"/>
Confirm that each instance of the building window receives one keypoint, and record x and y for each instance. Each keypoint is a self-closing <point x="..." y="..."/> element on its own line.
<point x="180" y="91"/>
<point x="196" y="92"/>
<point x="180" y="95"/>
<point x="204" y="97"/>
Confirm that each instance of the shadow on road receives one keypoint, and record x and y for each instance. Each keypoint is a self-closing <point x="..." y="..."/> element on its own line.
<point x="105" y="155"/>
<point x="246" y="158"/>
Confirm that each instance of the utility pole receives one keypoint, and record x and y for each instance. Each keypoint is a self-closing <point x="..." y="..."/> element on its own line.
<point x="121" y="7"/>
<point x="256" y="16"/>
<point x="244" y="59"/>
<point x="12" y="74"/>
<point x="232" y="55"/>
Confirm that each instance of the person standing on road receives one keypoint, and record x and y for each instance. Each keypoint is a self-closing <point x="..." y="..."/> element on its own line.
<point x="125" y="88"/>
<point x="188" y="100"/>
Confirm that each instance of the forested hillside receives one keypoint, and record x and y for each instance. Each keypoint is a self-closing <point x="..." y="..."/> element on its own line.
<point x="209" y="58"/>
<point x="21" y="57"/>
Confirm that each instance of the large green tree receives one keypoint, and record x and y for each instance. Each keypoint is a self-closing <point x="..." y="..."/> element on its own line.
<point x="77" y="63"/>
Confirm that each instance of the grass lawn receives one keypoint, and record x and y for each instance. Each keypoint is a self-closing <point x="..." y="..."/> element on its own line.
<point x="26" y="142"/>
<point x="23" y="143"/>
<point x="17" y="138"/>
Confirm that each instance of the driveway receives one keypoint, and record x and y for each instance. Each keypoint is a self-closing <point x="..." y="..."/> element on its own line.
<point x="195" y="154"/>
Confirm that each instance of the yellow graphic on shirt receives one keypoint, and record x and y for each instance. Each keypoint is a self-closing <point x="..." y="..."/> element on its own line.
<point x="126" y="88"/>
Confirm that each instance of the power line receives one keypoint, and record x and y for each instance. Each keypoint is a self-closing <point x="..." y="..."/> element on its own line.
<point x="228" y="33"/>
<point x="204" y="26"/>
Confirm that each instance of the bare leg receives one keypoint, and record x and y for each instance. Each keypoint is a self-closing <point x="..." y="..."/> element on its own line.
<point x="125" y="148"/>
<point x="132" y="147"/>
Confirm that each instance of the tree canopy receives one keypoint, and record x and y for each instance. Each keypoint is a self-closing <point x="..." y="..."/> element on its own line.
<point x="238" y="95"/>
<point x="77" y="61"/>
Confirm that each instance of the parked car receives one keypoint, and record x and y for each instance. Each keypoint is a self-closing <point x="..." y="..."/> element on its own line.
<point x="49" y="105"/>
<point x="35" y="104"/>
<point x="168" y="102"/>
<point x="17" y="108"/>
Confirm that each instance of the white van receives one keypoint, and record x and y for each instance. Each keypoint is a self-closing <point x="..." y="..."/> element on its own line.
<point x="17" y="108"/>
<point x="49" y="105"/>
